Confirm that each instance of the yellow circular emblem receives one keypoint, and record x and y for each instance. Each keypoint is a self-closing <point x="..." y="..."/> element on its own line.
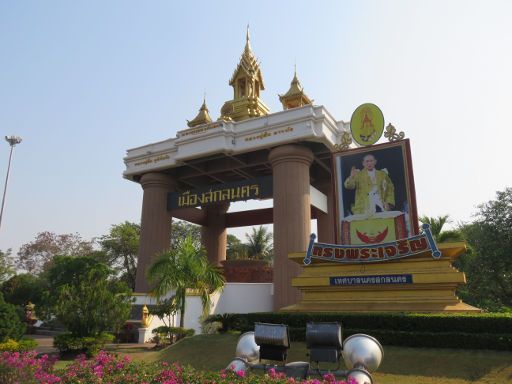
<point x="367" y="124"/>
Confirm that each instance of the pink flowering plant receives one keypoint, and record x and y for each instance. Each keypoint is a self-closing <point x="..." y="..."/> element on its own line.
<point x="27" y="368"/>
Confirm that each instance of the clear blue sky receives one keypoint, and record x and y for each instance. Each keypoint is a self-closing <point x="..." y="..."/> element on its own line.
<point x="82" y="81"/>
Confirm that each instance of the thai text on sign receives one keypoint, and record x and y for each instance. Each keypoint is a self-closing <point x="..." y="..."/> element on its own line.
<point x="371" y="279"/>
<point x="260" y="188"/>
<point x="375" y="253"/>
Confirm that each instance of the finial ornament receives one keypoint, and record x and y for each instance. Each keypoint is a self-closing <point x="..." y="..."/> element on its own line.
<point x="346" y="140"/>
<point x="203" y="116"/>
<point x="247" y="82"/>
<point x="391" y="135"/>
<point x="295" y="97"/>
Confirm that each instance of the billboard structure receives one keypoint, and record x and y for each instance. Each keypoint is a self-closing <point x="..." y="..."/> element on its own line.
<point x="381" y="260"/>
<point x="375" y="195"/>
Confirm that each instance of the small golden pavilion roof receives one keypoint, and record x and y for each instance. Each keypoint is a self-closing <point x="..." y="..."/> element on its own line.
<point x="247" y="82"/>
<point x="248" y="64"/>
<point x="203" y="117"/>
<point x="295" y="97"/>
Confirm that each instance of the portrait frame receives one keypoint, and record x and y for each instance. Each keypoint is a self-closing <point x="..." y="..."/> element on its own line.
<point x="395" y="157"/>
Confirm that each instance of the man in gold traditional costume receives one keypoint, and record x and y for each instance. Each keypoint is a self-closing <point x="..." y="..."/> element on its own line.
<point x="374" y="189"/>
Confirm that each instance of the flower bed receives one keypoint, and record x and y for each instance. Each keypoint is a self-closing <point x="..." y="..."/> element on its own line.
<point x="27" y="368"/>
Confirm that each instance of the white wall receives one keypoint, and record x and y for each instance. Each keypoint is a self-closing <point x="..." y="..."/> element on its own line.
<point x="235" y="298"/>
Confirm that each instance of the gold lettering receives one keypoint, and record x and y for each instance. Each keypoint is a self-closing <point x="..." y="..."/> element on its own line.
<point x="256" y="189"/>
<point x="235" y="195"/>
<point x="245" y="191"/>
<point x="226" y="194"/>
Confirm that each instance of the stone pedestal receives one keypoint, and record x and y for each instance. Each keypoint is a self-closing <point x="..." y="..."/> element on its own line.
<point x="144" y="335"/>
<point x="292" y="216"/>
<point x="155" y="234"/>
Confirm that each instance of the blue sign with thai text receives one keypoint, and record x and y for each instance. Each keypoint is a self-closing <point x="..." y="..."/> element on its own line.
<point x="371" y="279"/>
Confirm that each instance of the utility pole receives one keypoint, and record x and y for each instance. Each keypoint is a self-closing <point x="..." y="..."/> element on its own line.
<point x="12" y="140"/>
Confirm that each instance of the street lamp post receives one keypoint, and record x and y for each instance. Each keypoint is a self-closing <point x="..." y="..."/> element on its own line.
<point x="12" y="140"/>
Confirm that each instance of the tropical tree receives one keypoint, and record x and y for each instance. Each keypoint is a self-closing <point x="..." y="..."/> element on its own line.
<point x="120" y="249"/>
<point x="182" y="268"/>
<point x="259" y="243"/>
<point x="436" y="227"/>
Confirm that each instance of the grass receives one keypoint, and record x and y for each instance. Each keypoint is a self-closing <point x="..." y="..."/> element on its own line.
<point x="400" y="365"/>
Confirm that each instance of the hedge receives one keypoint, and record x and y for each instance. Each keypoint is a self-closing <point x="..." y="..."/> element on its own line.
<point x="475" y="331"/>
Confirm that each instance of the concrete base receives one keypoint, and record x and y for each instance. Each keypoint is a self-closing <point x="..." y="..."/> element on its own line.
<point x="144" y="335"/>
<point x="432" y="289"/>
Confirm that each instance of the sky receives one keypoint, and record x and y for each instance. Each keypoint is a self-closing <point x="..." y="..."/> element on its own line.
<point x="83" y="81"/>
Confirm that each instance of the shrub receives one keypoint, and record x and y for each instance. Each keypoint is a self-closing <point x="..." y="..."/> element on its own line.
<point x="171" y="334"/>
<point x="11" y="326"/>
<point x="68" y="343"/>
<point x="110" y="368"/>
<point x="18" y="346"/>
<point x="478" y="331"/>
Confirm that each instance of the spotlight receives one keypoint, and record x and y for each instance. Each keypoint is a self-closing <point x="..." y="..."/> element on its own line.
<point x="362" y="351"/>
<point x="246" y="348"/>
<point x="274" y="341"/>
<point x="324" y="342"/>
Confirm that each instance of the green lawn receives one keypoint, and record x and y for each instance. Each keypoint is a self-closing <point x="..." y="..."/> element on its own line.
<point x="400" y="365"/>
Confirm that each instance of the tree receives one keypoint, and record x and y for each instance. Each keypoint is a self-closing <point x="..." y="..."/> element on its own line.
<point x="185" y="267"/>
<point x="21" y="289"/>
<point x="88" y="300"/>
<point x="120" y="249"/>
<point x="259" y="244"/>
<point x="436" y="227"/>
<point x="181" y="230"/>
<point x="235" y="249"/>
<point x="6" y="265"/>
<point x="489" y="267"/>
<point x="11" y="326"/>
<point x="36" y="256"/>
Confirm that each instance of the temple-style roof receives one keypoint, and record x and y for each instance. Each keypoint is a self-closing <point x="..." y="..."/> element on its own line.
<point x="295" y="97"/>
<point x="203" y="117"/>
<point x="247" y="82"/>
<point x="248" y="64"/>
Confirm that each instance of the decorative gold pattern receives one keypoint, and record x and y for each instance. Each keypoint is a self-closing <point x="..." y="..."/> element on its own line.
<point x="265" y="134"/>
<point x="153" y="160"/>
<point x="346" y="140"/>
<point x="391" y="134"/>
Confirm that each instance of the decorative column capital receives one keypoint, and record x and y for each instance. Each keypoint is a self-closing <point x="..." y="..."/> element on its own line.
<point x="157" y="180"/>
<point x="290" y="153"/>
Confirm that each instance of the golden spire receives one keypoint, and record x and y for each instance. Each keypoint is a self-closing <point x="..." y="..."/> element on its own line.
<point x="295" y="97"/>
<point x="247" y="82"/>
<point x="203" y="117"/>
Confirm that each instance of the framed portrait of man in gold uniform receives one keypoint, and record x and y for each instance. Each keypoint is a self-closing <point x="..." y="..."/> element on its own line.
<point x="374" y="194"/>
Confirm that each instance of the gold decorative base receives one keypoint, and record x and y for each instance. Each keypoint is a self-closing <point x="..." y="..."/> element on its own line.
<point x="432" y="288"/>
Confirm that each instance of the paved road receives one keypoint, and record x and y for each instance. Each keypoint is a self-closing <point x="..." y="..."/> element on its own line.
<point x="45" y="344"/>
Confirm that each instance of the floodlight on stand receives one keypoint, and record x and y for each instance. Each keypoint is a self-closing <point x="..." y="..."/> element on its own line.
<point x="323" y="341"/>
<point x="360" y="376"/>
<point x="362" y="351"/>
<point x="246" y="348"/>
<point x="273" y="340"/>
<point x="238" y="364"/>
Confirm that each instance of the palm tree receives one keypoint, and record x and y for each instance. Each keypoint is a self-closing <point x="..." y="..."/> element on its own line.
<point x="182" y="268"/>
<point x="259" y="243"/>
<point x="436" y="227"/>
